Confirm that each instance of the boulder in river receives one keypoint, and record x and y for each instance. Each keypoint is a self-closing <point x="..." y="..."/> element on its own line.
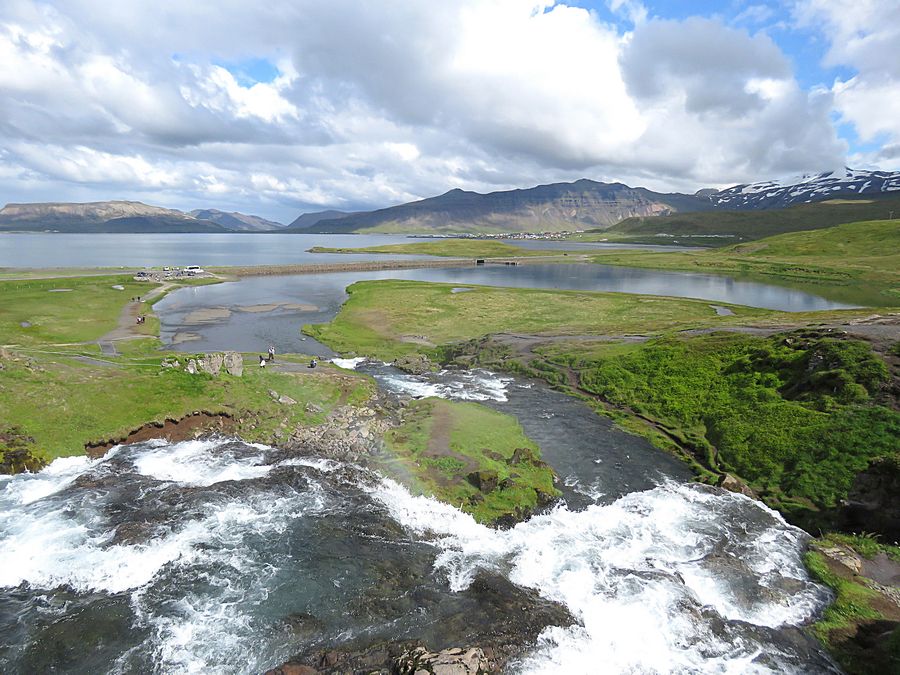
<point x="415" y="364"/>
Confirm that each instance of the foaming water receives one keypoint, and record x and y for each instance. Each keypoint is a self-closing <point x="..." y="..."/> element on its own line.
<point x="636" y="574"/>
<point x="192" y="463"/>
<point x="217" y="555"/>
<point x="461" y="385"/>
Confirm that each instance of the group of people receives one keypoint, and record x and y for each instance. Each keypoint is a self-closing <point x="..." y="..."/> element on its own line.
<point x="263" y="360"/>
<point x="141" y="318"/>
<point x="269" y="357"/>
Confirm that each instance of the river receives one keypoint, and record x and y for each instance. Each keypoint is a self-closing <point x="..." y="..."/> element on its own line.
<point x="220" y="556"/>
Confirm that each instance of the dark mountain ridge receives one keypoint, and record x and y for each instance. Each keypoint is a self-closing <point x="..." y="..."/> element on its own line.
<point x="583" y="204"/>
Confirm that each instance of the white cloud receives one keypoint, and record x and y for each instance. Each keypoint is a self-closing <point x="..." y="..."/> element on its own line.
<point x="378" y="103"/>
<point x="865" y="38"/>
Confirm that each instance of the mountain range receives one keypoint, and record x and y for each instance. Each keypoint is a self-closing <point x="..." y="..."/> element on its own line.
<point x="123" y="216"/>
<point x="581" y="205"/>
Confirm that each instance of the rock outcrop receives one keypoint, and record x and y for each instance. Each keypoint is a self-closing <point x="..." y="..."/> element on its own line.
<point x="212" y="364"/>
<point x="415" y="364"/>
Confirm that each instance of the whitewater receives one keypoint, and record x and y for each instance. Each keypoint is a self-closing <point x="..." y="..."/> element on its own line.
<point x="217" y="555"/>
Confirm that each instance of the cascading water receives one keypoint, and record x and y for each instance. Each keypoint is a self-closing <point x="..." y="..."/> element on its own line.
<point x="231" y="557"/>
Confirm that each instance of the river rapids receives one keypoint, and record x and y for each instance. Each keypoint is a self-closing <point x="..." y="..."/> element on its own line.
<point x="220" y="556"/>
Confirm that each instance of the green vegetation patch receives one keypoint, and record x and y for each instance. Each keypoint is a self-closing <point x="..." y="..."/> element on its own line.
<point x="63" y="404"/>
<point x="795" y="415"/>
<point x="451" y="248"/>
<point x="387" y="319"/>
<point x="860" y="627"/>
<point x="470" y="456"/>
<point x="64" y="310"/>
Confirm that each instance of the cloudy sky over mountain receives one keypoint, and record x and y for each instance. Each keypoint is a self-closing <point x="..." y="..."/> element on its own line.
<point x="279" y="108"/>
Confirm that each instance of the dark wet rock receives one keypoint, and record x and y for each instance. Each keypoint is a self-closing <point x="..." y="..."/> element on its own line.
<point x="415" y="364"/>
<point x="873" y="504"/>
<point x="489" y="624"/>
<point x="304" y="625"/>
<point x="521" y="455"/>
<point x="485" y="480"/>
<point x="79" y="642"/>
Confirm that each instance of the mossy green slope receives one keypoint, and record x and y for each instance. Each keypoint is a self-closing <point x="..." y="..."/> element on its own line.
<point x="797" y="416"/>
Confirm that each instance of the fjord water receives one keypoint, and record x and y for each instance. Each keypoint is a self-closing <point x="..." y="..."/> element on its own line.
<point x="221" y="556"/>
<point x="41" y="250"/>
<point x="152" y="250"/>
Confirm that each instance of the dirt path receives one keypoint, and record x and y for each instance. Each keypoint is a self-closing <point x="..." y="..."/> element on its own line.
<point x="127" y="328"/>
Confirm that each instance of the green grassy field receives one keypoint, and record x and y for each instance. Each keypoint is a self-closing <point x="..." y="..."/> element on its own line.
<point x="442" y="442"/>
<point x="748" y="225"/>
<point x="64" y="404"/>
<point x="451" y="248"/>
<point x="855" y="262"/>
<point x="380" y="316"/>
<point x="86" y="312"/>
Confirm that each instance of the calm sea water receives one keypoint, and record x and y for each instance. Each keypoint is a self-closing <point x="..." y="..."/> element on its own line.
<point x="131" y="250"/>
<point x="151" y="250"/>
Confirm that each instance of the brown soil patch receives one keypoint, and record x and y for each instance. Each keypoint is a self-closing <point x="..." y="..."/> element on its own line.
<point x="171" y="429"/>
<point x="439" y="442"/>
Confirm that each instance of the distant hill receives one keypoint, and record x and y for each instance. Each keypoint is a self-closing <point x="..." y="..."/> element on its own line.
<point x="113" y="216"/>
<point x="755" y="224"/>
<point x="306" y="220"/>
<point x="237" y="222"/>
<point x="580" y="205"/>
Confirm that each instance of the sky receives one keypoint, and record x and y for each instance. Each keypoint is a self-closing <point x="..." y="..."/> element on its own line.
<point x="280" y="108"/>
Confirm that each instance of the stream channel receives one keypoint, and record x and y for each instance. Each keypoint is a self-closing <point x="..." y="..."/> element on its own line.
<point x="221" y="556"/>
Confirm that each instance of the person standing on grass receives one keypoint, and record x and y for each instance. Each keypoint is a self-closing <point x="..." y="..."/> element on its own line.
<point x="262" y="361"/>
<point x="271" y="352"/>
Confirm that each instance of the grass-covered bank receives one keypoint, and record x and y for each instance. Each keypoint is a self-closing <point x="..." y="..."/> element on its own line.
<point x="64" y="404"/>
<point x="856" y="262"/>
<point x="390" y="318"/>
<point x="861" y="628"/>
<point x="60" y="395"/>
<point x="63" y="310"/>
<point x="471" y="457"/>
<point x="453" y="248"/>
